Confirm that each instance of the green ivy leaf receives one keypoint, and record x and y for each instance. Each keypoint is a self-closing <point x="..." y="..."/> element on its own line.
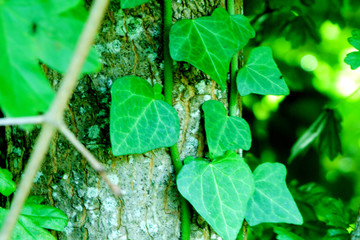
<point x="223" y="132"/>
<point x="28" y="33"/>
<point x="138" y="121"/>
<point x="309" y="136"/>
<point x="219" y="191"/>
<point x="261" y="75"/>
<point x="272" y="201"/>
<point x="34" y="199"/>
<point x="284" y="234"/>
<point x="208" y="43"/>
<point x="131" y="3"/>
<point x="353" y="58"/>
<point x="25" y="229"/>
<point x="45" y="216"/>
<point x="7" y="185"/>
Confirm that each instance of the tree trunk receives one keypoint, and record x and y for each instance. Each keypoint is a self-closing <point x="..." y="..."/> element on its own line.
<point x="129" y="43"/>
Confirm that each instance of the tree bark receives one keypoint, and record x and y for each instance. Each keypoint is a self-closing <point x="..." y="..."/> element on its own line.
<point x="129" y="43"/>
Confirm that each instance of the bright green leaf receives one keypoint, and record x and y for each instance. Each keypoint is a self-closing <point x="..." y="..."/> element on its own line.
<point x="7" y="185"/>
<point x="45" y="216"/>
<point x="223" y="132"/>
<point x="34" y="199"/>
<point x="29" y="32"/>
<point x="219" y="191"/>
<point x="208" y="43"/>
<point x="284" y="234"/>
<point x="25" y="229"/>
<point x="353" y="58"/>
<point x="261" y="75"/>
<point x="272" y="201"/>
<point x="309" y="136"/>
<point x="131" y="3"/>
<point x="138" y="121"/>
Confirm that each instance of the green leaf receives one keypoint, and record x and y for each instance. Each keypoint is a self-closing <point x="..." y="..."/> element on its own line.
<point x="131" y="3"/>
<point x="34" y="199"/>
<point x="45" y="216"/>
<point x="353" y="58"/>
<point x="25" y="229"/>
<point x="208" y="43"/>
<point x="219" y="191"/>
<point x="329" y="141"/>
<point x="7" y="185"/>
<point x="284" y="234"/>
<point x="223" y="132"/>
<point x="261" y="75"/>
<point x="309" y="136"/>
<point x="272" y="201"/>
<point x="29" y="32"/>
<point x="138" y="121"/>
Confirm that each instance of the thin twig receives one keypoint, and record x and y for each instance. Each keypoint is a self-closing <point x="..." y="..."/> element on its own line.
<point x="55" y="114"/>
<point x="22" y="120"/>
<point x="94" y="163"/>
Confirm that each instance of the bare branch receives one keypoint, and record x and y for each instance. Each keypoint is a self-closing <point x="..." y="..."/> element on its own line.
<point x="94" y="163"/>
<point x="55" y="114"/>
<point x="22" y="120"/>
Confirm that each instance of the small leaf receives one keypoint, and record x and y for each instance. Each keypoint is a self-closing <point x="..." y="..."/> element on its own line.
<point x="34" y="199"/>
<point x="7" y="185"/>
<point x="272" y="201"/>
<point x="138" y="121"/>
<point x="25" y="229"/>
<point x="261" y="75"/>
<point x="131" y="3"/>
<point x="223" y="132"/>
<point x="353" y="58"/>
<point x="309" y="136"/>
<point x="208" y="43"/>
<point x="329" y="142"/>
<point x="219" y="191"/>
<point x="284" y="234"/>
<point x="45" y="216"/>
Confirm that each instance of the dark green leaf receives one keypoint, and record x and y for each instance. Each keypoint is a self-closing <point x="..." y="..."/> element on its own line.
<point x="353" y="58"/>
<point x="7" y="185"/>
<point x="138" y="121"/>
<point x="37" y="30"/>
<point x="45" y="216"/>
<point x="25" y="229"/>
<point x="223" y="132"/>
<point x="261" y="75"/>
<point x="208" y="43"/>
<point x="219" y="191"/>
<point x="131" y="3"/>
<point x="284" y="234"/>
<point x="276" y="4"/>
<point x="272" y="201"/>
<point x="309" y="136"/>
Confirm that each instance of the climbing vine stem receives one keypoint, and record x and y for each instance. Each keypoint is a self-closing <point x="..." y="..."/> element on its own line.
<point x="234" y="97"/>
<point x="168" y="86"/>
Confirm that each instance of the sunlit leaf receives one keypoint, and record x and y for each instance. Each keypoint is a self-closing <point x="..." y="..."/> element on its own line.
<point x="208" y="43"/>
<point x="7" y="185"/>
<point x="223" y="132"/>
<point x="272" y="201"/>
<point x="353" y="58"/>
<point x="261" y="75"/>
<point x="25" y="229"/>
<point x="45" y="216"/>
<point x="131" y="3"/>
<point x="29" y="32"/>
<point x="219" y="191"/>
<point x="138" y="121"/>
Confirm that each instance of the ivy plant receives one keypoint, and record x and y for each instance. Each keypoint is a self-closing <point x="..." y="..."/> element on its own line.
<point x="35" y="218"/>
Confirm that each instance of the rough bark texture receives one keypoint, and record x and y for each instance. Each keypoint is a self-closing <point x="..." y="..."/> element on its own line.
<point x="129" y="43"/>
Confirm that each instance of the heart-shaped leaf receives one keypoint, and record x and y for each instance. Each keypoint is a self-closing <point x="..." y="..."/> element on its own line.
<point x="7" y="185"/>
<point x="131" y="3"/>
<point x="272" y="201"/>
<point x="261" y="75"/>
<point x="224" y="133"/>
<point x="219" y="191"/>
<point x="208" y="43"/>
<point x="138" y="121"/>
